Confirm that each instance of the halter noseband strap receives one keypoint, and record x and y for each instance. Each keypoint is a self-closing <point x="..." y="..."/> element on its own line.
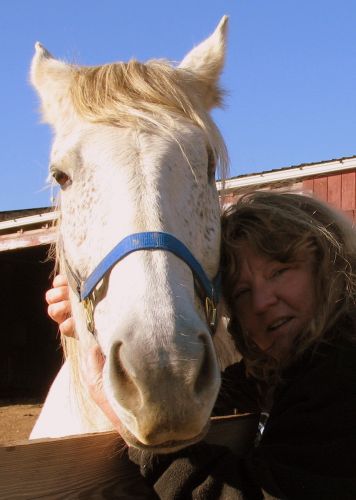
<point x="207" y="289"/>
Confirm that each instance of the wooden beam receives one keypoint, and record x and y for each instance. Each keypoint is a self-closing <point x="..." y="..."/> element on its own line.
<point x="27" y="239"/>
<point x="63" y="468"/>
<point x="41" y="218"/>
<point x="94" y="465"/>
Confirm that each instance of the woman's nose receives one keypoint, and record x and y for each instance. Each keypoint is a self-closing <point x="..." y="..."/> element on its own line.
<point x="263" y="298"/>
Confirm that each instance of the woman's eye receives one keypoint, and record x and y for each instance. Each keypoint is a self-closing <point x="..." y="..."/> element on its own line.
<point x="239" y="293"/>
<point x="280" y="271"/>
<point x="61" y="178"/>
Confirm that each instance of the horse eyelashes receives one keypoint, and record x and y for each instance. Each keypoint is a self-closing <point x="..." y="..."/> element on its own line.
<point x="61" y="178"/>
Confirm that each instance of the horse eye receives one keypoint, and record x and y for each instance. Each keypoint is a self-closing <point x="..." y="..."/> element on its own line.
<point x="61" y="178"/>
<point x="211" y="165"/>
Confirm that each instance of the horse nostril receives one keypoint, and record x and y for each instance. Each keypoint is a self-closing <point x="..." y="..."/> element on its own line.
<point x="118" y="364"/>
<point x="127" y="391"/>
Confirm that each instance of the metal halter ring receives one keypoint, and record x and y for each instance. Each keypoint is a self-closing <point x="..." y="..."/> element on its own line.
<point x="211" y="312"/>
<point x="89" y="313"/>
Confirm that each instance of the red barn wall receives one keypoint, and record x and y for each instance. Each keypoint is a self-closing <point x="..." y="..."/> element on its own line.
<point x="337" y="189"/>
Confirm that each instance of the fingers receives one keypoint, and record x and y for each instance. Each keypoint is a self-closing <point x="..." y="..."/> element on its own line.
<point x="94" y="379"/>
<point x="60" y="290"/>
<point x="59" y="311"/>
<point x="60" y="280"/>
<point x="57" y="294"/>
<point x="67" y="328"/>
<point x="95" y="363"/>
<point x="59" y="308"/>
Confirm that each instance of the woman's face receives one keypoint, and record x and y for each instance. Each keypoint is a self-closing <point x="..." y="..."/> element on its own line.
<point x="274" y="301"/>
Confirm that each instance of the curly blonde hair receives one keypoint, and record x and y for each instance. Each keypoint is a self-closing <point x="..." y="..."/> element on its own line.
<point x="284" y="226"/>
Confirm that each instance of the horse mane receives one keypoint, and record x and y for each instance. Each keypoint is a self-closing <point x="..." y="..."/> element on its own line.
<point x="149" y="95"/>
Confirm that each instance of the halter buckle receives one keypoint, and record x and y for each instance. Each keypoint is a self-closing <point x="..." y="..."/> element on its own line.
<point x="89" y="314"/>
<point x="211" y="312"/>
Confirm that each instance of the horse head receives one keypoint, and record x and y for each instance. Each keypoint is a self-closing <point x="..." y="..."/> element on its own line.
<point x="135" y="151"/>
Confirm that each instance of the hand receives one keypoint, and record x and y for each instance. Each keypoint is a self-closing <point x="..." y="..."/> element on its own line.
<point x="93" y="377"/>
<point x="59" y="308"/>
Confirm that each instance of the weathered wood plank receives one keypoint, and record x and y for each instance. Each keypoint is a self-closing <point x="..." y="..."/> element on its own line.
<point x="27" y="239"/>
<point x="89" y="466"/>
<point x="321" y="188"/>
<point x="334" y="190"/>
<point x="308" y="185"/>
<point x="351" y="215"/>
<point x="348" y="191"/>
<point x="93" y="466"/>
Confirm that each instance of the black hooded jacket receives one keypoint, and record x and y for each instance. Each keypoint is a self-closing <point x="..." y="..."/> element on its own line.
<point x="308" y="448"/>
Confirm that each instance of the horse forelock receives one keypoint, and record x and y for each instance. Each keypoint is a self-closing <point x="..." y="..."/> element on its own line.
<point x="149" y="95"/>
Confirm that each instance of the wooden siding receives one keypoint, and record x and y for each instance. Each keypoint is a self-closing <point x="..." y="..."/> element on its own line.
<point x="337" y="189"/>
<point x="348" y="191"/>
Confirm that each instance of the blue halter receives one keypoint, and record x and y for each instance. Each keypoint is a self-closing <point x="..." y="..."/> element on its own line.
<point x="207" y="289"/>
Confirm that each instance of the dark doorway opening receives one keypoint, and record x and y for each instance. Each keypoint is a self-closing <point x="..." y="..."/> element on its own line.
<point x="30" y="351"/>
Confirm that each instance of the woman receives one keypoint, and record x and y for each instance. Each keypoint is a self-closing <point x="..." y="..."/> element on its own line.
<point x="289" y="282"/>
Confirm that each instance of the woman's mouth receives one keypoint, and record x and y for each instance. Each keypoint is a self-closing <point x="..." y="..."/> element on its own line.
<point x="278" y="323"/>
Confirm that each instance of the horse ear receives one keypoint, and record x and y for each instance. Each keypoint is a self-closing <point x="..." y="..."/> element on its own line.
<point x="206" y="61"/>
<point x="51" y="79"/>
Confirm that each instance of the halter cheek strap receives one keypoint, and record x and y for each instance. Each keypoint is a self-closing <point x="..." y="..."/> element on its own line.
<point x="208" y="290"/>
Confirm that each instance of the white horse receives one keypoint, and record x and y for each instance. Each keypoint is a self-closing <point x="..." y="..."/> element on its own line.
<point x="135" y="151"/>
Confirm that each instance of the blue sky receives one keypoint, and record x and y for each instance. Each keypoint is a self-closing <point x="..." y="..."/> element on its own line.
<point x="290" y="75"/>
